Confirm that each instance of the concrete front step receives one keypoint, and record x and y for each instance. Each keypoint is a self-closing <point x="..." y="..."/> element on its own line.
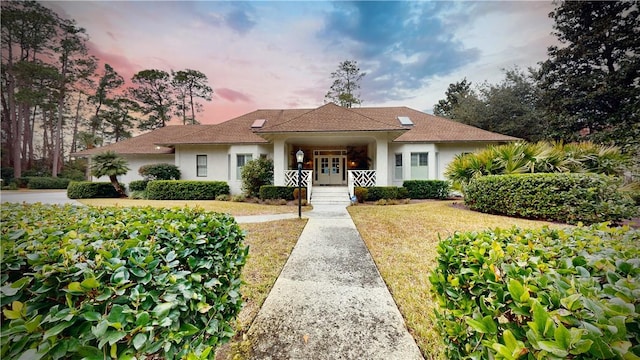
<point x="330" y="195"/>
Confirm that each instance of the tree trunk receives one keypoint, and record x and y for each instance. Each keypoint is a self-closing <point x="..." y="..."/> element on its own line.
<point x="74" y="137"/>
<point x="116" y="185"/>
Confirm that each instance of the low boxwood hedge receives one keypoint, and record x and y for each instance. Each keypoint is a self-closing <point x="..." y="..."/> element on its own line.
<point x="427" y="189"/>
<point x="47" y="183"/>
<point x="540" y="294"/>
<point x="117" y="282"/>
<point x="276" y="192"/>
<point x="89" y="190"/>
<point x="570" y="198"/>
<point x="138" y="185"/>
<point x="185" y="190"/>
<point x="375" y="193"/>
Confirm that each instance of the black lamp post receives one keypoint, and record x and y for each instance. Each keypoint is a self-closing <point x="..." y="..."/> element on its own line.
<point x="300" y="159"/>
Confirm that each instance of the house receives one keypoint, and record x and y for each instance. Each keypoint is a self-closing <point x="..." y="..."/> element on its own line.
<point x="342" y="146"/>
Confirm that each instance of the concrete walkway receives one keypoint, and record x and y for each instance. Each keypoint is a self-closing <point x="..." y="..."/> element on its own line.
<point x="58" y="197"/>
<point x="330" y="302"/>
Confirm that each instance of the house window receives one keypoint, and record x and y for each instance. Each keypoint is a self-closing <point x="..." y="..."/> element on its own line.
<point x="398" y="167"/>
<point x="242" y="160"/>
<point x="201" y="165"/>
<point x="419" y="166"/>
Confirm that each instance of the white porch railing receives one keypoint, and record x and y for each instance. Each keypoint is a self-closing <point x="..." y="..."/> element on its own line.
<point x="364" y="178"/>
<point x="291" y="179"/>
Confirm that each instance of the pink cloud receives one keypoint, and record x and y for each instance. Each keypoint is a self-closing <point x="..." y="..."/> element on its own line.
<point x="119" y="62"/>
<point x="232" y="95"/>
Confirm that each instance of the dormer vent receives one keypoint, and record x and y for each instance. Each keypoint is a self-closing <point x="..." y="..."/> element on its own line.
<point x="257" y="124"/>
<point x="405" y="121"/>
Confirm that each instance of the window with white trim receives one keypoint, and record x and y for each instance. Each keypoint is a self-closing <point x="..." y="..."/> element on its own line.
<point x="241" y="161"/>
<point x="201" y="165"/>
<point x="398" y="167"/>
<point x="419" y="165"/>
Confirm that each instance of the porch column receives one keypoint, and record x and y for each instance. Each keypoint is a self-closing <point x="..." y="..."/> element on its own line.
<point x="279" y="161"/>
<point x="433" y="164"/>
<point x="382" y="161"/>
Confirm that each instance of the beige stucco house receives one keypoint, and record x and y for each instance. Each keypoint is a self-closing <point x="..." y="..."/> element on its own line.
<point x="342" y="146"/>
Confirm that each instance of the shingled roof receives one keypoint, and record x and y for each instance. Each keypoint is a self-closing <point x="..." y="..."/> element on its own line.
<point x="146" y="143"/>
<point x="328" y="118"/>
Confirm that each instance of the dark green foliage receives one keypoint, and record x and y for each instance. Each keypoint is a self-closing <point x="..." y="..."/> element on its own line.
<point x="591" y="80"/>
<point x="570" y="198"/>
<point x="427" y="189"/>
<point x="539" y="294"/>
<point x="73" y="174"/>
<point x="375" y="193"/>
<point x="185" y="190"/>
<point x="361" y="194"/>
<point x="276" y="192"/>
<point x="6" y="173"/>
<point x="118" y="282"/>
<point x="90" y="190"/>
<point x="47" y="183"/>
<point x="159" y="172"/>
<point x="138" y="185"/>
<point x="256" y="173"/>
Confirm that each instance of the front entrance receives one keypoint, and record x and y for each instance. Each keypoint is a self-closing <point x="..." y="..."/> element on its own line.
<point x="330" y="167"/>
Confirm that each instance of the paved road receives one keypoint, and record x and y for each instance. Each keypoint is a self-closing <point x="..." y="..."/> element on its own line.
<point x="330" y="301"/>
<point x="34" y="196"/>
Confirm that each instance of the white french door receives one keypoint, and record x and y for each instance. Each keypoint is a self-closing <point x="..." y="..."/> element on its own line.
<point x="330" y="169"/>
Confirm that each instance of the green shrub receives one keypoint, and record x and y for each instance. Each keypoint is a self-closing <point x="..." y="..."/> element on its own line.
<point x="361" y="194"/>
<point x="255" y="174"/>
<point x="73" y="174"/>
<point x="570" y="198"/>
<point x="47" y="183"/>
<point x="89" y="190"/>
<point x="375" y="193"/>
<point x="7" y="174"/>
<point x="159" y="172"/>
<point x="238" y="198"/>
<point x="427" y="189"/>
<point x="138" y="185"/>
<point x="276" y="192"/>
<point x="117" y="282"/>
<point x="540" y="294"/>
<point x="185" y="190"/>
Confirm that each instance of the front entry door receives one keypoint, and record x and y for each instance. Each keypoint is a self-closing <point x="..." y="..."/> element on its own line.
<point x="330" y="170"/>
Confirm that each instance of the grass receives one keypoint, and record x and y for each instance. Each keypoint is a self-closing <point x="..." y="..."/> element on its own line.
<point x="270" y="244"/>
<point x="233" y="208"/>
<point x="403" y="240"/>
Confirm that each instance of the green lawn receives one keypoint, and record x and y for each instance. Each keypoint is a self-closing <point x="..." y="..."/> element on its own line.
<point x="402" y="240"/>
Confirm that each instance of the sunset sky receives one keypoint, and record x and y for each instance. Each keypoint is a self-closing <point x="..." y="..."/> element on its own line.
<point x="280" y="54"/>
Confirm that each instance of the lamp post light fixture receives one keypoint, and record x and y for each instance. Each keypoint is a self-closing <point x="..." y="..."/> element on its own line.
<point x="300" y="159"/>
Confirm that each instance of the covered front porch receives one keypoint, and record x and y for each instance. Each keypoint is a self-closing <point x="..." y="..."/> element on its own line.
<point x="337" y="159"/>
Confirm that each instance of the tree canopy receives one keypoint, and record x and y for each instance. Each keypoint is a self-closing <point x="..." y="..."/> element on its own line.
<point x="591" y="83"/>
<point x="346" y="83"/>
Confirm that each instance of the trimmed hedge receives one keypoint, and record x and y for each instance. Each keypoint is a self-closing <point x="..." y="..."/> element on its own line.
<point x="90" y="190"/>
<point x="162" y="171"/>
<point x="185" y="190"/>
<point x="276" y="192"/>
<point x="118" y="282"/>
<point x="540" y="294"/>
<point x="570" y="198"/>
<point x="138" y="185"/>
<point x="427" y="189"/>
<point x="47" y="183"/>
<point x="375" y="193"/>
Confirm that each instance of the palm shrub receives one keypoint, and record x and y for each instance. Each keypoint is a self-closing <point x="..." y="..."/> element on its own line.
<point x="256" y="173"/>
<point x="541" y="157"/>
<point x="110" y="164"/>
